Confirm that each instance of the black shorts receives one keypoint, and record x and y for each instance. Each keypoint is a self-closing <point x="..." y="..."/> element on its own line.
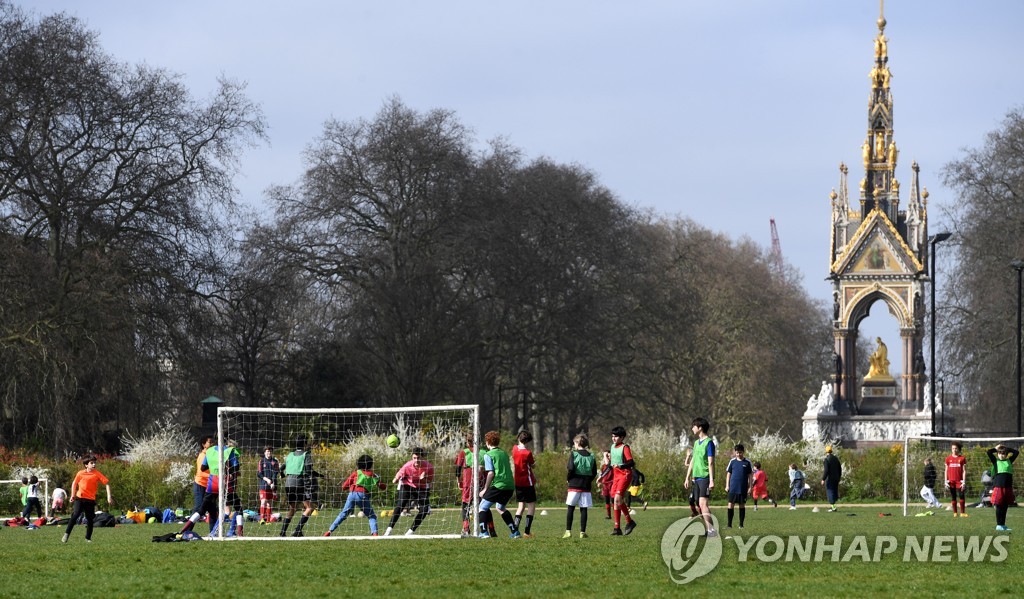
<point x="740" y="498"/>
<point x="498" y="496"/>
<point x="526" y="494"/>
<point x="298" y="494"/>
<point x="703" y="487"/>
<point x="408" y="497"/>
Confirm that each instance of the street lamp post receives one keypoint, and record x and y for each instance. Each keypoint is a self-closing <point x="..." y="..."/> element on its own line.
<point x="942" y="406"/>
<point x="934" y="240"/>
<point x="1018" y="266"/>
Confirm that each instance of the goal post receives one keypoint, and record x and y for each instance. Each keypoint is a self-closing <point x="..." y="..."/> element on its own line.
<point x="336" y="439"/>
<point x="918" y="447"/>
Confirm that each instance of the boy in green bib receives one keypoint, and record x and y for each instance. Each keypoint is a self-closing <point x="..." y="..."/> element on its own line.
<point x="702" y="470"/>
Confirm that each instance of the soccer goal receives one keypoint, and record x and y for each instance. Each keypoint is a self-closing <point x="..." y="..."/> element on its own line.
<point x="336" y="441"/>
<point x="917" y="449"/>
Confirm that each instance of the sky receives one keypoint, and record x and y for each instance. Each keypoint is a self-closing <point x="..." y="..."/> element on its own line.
<point x="730" y="113"/>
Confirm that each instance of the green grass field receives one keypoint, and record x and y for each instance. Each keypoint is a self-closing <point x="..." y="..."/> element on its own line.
<point x="123" y="562"/>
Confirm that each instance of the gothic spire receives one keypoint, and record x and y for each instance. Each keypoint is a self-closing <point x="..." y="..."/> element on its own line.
<point x="879" y="189"/>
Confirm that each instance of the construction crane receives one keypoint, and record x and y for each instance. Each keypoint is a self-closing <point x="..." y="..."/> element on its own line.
<point x="776" y="255"/>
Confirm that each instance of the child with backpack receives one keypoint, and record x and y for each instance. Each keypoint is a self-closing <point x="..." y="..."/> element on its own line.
<point x="796" y="485"/>
<point x="359" y="484"/>
<point x="582" y="468"/>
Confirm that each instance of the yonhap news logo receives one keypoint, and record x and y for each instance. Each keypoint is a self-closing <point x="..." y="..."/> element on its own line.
<point x="690" y="554"/>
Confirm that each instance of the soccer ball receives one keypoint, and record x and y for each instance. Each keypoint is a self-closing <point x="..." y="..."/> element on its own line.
<point x="393" y="441"/>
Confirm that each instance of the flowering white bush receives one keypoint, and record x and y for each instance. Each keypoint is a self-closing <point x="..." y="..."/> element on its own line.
<point x="179" y="475"/>
<point x="441" y="438"/>
<point x="655" y="439"/>
<point x="167" y="440"/>
<point x="20" y="472"/>
<point x="812" y="453"/>
<point x="768" y="445"/>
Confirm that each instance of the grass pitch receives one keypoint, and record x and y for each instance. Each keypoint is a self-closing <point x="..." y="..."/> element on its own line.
<point x="123" y="562"/>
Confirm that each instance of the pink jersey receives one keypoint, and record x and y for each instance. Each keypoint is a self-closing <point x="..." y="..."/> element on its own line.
<point x="417" y="477"/>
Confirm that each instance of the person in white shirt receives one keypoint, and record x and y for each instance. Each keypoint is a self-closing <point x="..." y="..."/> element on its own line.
<point x="60" y="498"/>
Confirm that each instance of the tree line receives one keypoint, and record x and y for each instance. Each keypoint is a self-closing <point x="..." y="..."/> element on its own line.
<point x="409" y="264"/>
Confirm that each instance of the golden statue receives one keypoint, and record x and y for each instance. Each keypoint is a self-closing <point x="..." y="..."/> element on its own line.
<point x="893" y="153"/>
<point x="879" y="370"/>
<point x="866" y="152"/>
<point x="881" y="47"/>
<point x="879" y="145"/>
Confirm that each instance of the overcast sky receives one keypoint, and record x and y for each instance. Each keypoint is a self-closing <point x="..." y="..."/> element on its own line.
<point x="727" y="112"/>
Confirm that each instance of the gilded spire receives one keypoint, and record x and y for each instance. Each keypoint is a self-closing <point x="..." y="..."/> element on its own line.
<point x="879" y="151"/>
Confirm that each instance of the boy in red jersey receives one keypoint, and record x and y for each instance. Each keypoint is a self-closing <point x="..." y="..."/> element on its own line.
<point x="760" y="488"/>
<point x="956" y="478"/>
<point x="83" y="491"/>
<point x="526" y="491"/>
<point x="465" y="466"/>
<point x="621" y="462"/>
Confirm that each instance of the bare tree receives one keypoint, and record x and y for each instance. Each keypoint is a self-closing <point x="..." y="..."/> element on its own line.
<point x="120" y="183"/>
<point x="374" y="218"/>
<point x="979" y="315"/>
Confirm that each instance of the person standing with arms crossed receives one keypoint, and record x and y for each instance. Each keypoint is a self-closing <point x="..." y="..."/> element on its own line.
<point x="702" y="470"/>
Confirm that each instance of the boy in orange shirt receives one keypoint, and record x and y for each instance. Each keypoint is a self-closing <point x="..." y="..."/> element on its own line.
<point x="83" y="492"/>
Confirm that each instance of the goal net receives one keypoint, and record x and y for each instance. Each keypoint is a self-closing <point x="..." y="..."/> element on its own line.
<point x="337" y="441"/>
<point x="918" y="452"/>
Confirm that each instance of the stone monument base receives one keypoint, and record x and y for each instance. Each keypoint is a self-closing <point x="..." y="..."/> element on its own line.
<point x="878" y="397"/>
<point x="866" y="430"/>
